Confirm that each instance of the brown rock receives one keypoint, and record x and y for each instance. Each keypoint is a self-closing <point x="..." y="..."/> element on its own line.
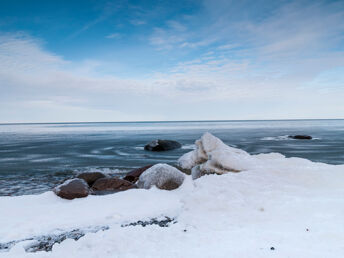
<point x="111" y="185"/>
<point x="91" y="177"/>
<point x="72" y="188"/>
<point x="134" y="175"/>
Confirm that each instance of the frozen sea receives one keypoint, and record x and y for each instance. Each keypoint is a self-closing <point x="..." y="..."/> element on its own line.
<point x="35" y="157"/>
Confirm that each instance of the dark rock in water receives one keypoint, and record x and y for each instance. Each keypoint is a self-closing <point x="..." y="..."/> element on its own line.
<point x="72" y="188"/>
<point x="111" y="185"/>
<point x="162" y="145"/>
<point x="300" y="137"/>
<point x="91" y="177"/>
<point x="134" y="175"/>
<point x="46" y="242"/>
<point x="161" y="223"/>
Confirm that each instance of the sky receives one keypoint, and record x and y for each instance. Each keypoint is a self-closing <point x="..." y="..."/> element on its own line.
<point x="74" y="61"/>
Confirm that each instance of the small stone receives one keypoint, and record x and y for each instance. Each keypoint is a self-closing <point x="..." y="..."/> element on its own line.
<point x="91" y="177"/>
<point x="111" y="185"/>
<point x="72" y="188"/>
<point x="134" y="175"/>
<point x="272" y="248"/>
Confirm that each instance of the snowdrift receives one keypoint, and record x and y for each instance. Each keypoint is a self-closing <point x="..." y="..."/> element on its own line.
<point x="275" y="207"/>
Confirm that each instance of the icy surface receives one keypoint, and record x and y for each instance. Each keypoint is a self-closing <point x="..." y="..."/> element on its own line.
<point x="275" y="207"/>
<point x="158" y="175"/>
<point x="214" y="156"/>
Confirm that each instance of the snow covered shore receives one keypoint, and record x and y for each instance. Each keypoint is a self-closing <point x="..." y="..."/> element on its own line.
<point x="293" y="205"/>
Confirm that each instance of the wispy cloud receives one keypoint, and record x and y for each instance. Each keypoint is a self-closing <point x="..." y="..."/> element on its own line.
<point x="113" y="36"/>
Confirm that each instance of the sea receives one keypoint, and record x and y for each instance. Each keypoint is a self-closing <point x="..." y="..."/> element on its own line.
<point x="36" y="157"/>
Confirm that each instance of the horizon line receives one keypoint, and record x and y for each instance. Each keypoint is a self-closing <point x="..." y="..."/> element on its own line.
<point x="170" y="121"/>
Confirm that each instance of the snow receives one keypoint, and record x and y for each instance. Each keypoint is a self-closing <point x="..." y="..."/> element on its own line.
<point x="158" y="175"/>
<point x="291" y="204"/>
<point x="212" y="155"/>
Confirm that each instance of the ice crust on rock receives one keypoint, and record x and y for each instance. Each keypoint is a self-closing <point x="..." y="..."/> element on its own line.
<point x="162" y="176"/>
<point x="213" y="156"/>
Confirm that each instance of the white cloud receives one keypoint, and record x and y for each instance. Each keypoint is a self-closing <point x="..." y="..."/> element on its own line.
<point x="284" y="66"/>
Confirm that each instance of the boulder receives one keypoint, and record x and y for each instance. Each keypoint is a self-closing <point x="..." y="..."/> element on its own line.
<point x="162" y="176"/>
<point x="134" y="175"/>
<point x="212" y="156"/>
<point x="162" y="145"/>
<point x="300" y="137"/>
<point x="111" y="185"/>
<point x="91" y="177"/>
<point x="72" y="188"/>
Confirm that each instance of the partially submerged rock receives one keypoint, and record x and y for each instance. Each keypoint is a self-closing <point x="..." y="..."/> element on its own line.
<point x="162" y="145"/>
<point x="91" y="177"/>
<point x="111" y="185"/>
<point x="72" y="188"/>
<point x="212" y="156"/>
<point x="134" y="175"/>
<point x="162" y="176"/>
<point x="301" y="137"/>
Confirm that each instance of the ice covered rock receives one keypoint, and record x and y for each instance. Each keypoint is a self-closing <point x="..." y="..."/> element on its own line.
<point x="213" y="156"/>
<point x="162" y="176"/>
<point x="72" y="188"/>
<point x="162" y="145"/>
<point x="134" y="175"/>
<point x="111" y="185"/>
<point x="91" y="177"/>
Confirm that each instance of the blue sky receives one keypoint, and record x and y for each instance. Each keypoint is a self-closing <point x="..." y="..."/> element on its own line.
<point x="162" y="60"/>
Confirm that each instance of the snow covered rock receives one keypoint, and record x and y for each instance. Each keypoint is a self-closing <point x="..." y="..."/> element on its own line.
<point x="213" y="156"/>
<point x="72" y="188"/>
<point x="162" y="176"/>
<point x="91" y="177"/>
<point x="162" y="145"/>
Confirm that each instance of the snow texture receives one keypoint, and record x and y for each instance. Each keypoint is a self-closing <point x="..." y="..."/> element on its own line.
<point x="160" y="174"/>
<point x="213" y="156"/>
<point x="275" y="207"/>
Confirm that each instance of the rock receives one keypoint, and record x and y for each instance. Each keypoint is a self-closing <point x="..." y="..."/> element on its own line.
<point x="162" y="176"/>
<point x="91" y="177"/>
<point x="300" y="137"/>
<point x="72" y="188"/>
<point x="160" y="222"/>
<point x="111" y="185"/>
<point x="134" y="175"/>
<point x="212" y="156"/>
<point x="162" y="145"/>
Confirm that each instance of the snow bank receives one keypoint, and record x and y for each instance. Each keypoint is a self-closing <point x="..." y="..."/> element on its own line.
<point x="293" y="205"/>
